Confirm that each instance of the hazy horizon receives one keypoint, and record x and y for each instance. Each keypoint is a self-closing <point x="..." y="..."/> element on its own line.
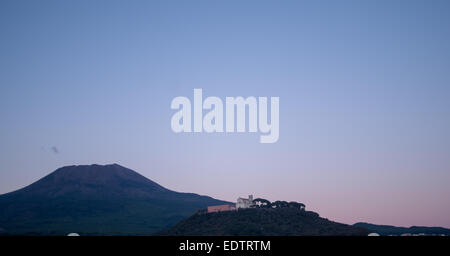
<point x="364" y="95"/>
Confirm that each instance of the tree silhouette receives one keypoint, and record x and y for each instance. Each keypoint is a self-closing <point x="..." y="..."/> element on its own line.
<point x="262" y="203"/>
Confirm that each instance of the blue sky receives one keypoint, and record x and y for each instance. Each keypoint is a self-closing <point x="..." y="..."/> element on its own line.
<point x="364" y="92"/>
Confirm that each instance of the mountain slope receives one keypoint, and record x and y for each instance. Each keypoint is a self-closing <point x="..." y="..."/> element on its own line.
<point x="265" y="222"/>
<point x="386" y="230"/>
<point x="96" y="200"/>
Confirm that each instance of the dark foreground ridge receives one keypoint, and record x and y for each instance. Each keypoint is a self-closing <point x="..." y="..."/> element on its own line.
<point x="95" y="200"/>
<point x="386" y="230"/>
<point x="262" y="222"/>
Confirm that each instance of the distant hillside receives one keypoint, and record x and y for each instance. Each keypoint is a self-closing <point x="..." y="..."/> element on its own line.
<point x="386" y="230"/>
<point x="95" y="200"/>
<point x="265" y="222"/>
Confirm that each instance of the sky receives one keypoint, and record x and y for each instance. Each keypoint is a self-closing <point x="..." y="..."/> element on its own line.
<point x="364" y="91"/>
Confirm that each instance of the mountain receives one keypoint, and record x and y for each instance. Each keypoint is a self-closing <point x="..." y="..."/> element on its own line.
<point x="96" y="200"/>
<point x="386" y="230"/>
<point x="261" y="222"/>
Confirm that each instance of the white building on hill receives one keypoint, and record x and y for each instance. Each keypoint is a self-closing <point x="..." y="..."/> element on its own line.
<point x="244" y="202"/>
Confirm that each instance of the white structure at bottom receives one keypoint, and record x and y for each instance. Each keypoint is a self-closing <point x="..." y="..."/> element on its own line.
<point x="243" y="203"/>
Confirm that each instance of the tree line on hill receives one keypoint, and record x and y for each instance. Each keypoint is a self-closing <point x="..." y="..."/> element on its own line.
<point x="264" y="203"/>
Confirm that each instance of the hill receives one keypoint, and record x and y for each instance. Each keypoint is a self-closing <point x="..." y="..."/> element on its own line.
<point x="96" y="200"/>
<point x="386" y="230"/>
<point x="261" y="222"/>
